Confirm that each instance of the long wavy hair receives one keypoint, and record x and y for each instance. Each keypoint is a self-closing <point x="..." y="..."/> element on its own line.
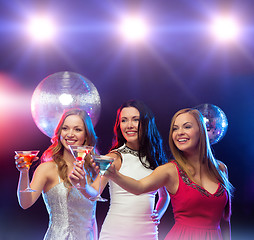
<point x="150" y="141"/>
<point x="206" y="155"/>
<point x="56" y="149"/>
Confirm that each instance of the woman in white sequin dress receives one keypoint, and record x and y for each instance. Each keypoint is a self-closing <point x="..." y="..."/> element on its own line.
<point x="137" y="149"/>
<point x="71" y="214"/>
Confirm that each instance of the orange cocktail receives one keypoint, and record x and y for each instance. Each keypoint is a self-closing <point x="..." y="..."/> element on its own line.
<point x="28" y="156"/>
<point x="28" y="159"/>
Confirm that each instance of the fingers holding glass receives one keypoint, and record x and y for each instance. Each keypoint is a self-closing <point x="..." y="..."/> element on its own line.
<point x="103" y="162"/>
<point x="24" y="160"/>
<point x="78" y="175"/>
<point x="20" y="163"/>
<point x="80" y="153"/>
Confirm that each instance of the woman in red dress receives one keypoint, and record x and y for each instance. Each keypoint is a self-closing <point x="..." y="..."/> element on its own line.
<point x="197" y="183"/>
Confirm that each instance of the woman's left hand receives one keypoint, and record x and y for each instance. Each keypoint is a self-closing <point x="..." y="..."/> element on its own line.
<point x="155" y="217"/>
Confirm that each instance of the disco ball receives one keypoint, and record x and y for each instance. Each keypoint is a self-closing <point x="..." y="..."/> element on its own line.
<point x="59" y="92"/>
<point x="216" y="121"/>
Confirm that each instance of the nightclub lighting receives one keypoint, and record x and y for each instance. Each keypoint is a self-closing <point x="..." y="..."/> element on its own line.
<point x="225" y="29"/>
<point x="41" y="29"/>
<point x="66" y="99"/>
<point x="134" y="29"/>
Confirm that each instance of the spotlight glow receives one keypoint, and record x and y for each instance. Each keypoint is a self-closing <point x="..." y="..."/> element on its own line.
<point x="225" y="29"/>
<point x="41" y="29"/>
<point x="66" y="99"/>
<point x="134" y="29"/>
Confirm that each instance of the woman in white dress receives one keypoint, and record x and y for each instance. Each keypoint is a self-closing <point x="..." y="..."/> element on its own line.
<point x="71" y="214"/>
<point x="197" y="183"/>
<point x="137" y="149"/>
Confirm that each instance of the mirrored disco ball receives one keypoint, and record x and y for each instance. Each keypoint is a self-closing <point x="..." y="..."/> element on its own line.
<point x="216" y="121"/>
<point x="59" y="92"/>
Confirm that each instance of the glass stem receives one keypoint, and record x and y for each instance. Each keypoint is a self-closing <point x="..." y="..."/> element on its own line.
<point x="100" y="185"/>
<point x="28" y="181"/>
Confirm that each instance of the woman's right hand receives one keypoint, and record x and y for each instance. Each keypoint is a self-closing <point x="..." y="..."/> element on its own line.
<point x="21" y="164"/>
<point x="78" y="174"/>
<point x="111" y="172"/>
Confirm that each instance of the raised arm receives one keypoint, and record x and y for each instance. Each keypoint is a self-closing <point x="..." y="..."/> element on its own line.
<point x="104" y="179"/>
<point x="27" y="199"/>
<point x="160" y="177"/>
<point x="78" y="175"/>
<point x="91" y="190"/>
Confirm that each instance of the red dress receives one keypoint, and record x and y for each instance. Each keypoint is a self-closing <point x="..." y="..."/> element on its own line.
<point x="197" y="212"/>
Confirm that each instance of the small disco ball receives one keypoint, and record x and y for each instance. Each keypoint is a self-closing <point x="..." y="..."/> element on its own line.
<point x="216" y="121"/>
<point x="59" y="92"/>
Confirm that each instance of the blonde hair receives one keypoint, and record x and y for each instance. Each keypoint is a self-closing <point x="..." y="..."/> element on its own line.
<point x="55" y="150"/>
<point x="206" y="155"/>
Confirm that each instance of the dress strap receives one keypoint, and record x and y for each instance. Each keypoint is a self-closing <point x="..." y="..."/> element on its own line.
<point x="178" y="167"/>
<point x="183" y="177"/>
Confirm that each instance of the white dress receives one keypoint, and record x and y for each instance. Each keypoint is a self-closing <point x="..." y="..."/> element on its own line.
<point x="129" y="215"/>
<point x="71" y="215"/>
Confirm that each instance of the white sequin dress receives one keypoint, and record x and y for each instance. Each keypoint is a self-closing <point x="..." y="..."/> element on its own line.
<point x="129" y="215"/>
<point x="71" y="215"/>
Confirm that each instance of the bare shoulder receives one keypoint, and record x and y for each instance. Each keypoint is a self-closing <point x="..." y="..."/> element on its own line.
<point x="47" y="167"/>
<point x="169" y="168"/>
<point x="169" y="165"/>
<point x="169" y="173"/>
<point x="222" y="166"/>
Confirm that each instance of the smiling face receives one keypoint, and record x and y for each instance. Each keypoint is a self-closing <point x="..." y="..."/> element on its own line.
<point x="129" y="122"/>
<point x="186" y="133"/>
<point x="73" y="131"/>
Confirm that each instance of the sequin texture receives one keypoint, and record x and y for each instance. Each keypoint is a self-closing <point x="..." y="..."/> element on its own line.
<point x="71" y="215"/>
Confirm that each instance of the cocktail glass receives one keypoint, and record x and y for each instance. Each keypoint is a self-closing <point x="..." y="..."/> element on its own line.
<point x="103" y="162"/>
<point x="28" y="159"/>
<point x="79" y="153"/>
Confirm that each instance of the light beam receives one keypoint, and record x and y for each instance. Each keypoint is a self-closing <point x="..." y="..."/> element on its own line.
<point x="41" y="29"/>
<point x="225" y="29"/>
<point x="134" y="29"/>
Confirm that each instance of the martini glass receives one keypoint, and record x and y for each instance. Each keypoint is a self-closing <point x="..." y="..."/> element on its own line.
<point x="103" y="162"/>
<point x="79" y="153"/>
<point x="28" y="159"/>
